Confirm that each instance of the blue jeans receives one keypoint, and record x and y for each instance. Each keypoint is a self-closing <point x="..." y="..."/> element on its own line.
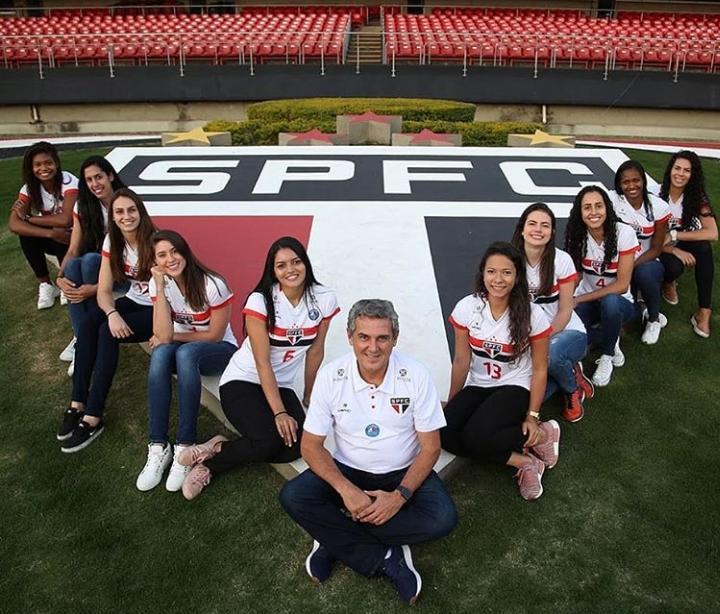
<point x="647" y="279"/>
<point x="80" y="271"/>
<point x="190" y="361"/>
<point x="318" y="508"/>
<point x="603" y="320"/>
<point x="567" y="348"/>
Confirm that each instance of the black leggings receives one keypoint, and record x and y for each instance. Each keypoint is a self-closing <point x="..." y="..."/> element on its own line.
<point x="486" y="423"/>
<point x="247" y="409"/>
<point x="35" y="249"/>
<point x="704" y="269"/>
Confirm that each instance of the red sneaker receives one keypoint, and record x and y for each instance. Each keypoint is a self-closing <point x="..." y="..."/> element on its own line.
<point x="574" y="410"/>
<point x="584" y="383"/>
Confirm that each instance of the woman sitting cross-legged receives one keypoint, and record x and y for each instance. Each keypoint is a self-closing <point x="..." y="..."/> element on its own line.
<point x="286" y="318"/>
<point x="499" y="373"/>
<point x="191" y="337"/>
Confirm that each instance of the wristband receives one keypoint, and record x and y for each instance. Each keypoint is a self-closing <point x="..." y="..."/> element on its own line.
<point x="109" y="313"/>
<point x="534" y="414"/>
<point x="280" y="413"/>
<point x="405" y="492"/>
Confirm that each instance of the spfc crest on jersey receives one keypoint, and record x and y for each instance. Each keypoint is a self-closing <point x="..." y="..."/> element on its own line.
<point x="294" y="335"/>
<point x="492" y="348"/>
<point x="400" y="404"/>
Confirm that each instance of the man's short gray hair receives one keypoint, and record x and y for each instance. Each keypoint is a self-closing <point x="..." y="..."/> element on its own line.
<point x="374" y="308"/>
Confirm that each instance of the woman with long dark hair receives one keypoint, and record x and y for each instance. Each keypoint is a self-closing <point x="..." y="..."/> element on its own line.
<point x="42" y="214"/>
<point x="191" y="337"/>
<point x="499" y="374"/>
<point x="127" y="256"/>
<point x="648" y="215"/>
<point x="693" y="228"/>
<point x="551" y="280"/>
<point x="79" y="270"/>
<point x="603" y="251"/>
<point x="287" y="317"/>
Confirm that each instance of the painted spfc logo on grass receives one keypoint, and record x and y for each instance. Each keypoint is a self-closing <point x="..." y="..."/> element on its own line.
<point x="400" y="404"/>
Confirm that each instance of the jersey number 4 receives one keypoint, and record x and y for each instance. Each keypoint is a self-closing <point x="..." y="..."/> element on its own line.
<point x="493" y="370"/>
<point x="600" y="283"/>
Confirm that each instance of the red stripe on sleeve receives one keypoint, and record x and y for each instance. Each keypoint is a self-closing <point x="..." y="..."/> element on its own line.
<point x="546" y="333"/>
<point x="664" y="220"/>
<point x="225" y="303"/>
<point x="457" y="324"/>
<point x="632" y="250"/>
<point x="105" y="254"/>
<point x="572" y="277"/>
<point x="254" y="314"/>
<point x="333" y="314"/>
<point x="23" y="198"/>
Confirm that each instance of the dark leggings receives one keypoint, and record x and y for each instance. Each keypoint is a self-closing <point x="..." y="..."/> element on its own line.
<point x="96" y="352"/>
<point x="35" y="249"/>
<point x="486" y="423"/>
<point x="704" y="269"/>
<point x="247" y="409"/>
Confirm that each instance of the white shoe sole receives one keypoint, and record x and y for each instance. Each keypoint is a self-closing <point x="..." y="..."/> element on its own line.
<point x="556" y="444"/>
<point x="315" y="548"/>
<point x="407" y="555"/>
<point x="84" y="445"/>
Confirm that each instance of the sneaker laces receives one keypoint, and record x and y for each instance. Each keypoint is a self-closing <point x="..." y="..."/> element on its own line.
<point x="528" y="477"/>
<point x="200" y="476"/>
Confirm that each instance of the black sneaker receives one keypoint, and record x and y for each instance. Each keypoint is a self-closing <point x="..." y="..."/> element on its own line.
<point x="319" y="563"/>
<point x="70" y="419"/>
<point x="82" y="436"/>
<point x="398" y="567"/>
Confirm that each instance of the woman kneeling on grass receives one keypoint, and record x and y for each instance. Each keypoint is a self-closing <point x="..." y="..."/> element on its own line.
<point x="42" y="214"/>
<point x="551" y="279"/>
<point x="693" y="228"/>
<point x="126" y="256"/>
<point x="499" y="373"/>
<point x="286" y="317"/>
<point x="79" y="270"/>
<point x="191" y="337"/>
<point x="603" y="250"/>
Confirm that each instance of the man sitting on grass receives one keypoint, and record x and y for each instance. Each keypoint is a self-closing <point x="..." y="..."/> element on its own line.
<point x="378" y="492"/>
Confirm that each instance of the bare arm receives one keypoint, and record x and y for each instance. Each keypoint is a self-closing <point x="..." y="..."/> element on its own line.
<point x="539" y="352"/>
<point x="387" y="504"/>
<point x="708" y="232"/>
<point x="461" y="361"/>
<point x="656" y="245"/>
<point x="322" y="465"/>
<point x="64" y="219"/>
<point x="619" y="286"/>
<point x="162" y="314"/>
<point x="17" y="224"/>
<point x="313" y="360"/>
<point x="566" y="304"/>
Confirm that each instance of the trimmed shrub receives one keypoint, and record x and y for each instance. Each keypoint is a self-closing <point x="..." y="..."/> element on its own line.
<point x="476" y="134"/>
<point x="256" y="132"/>
<point x="416" y="109"/>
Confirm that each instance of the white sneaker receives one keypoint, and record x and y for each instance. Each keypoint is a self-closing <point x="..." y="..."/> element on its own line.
<point x="618" y="358"/>
<point x="63" y="299"/>
<point x="652" y="330"/>
<point x="47" y="293"/>
<point x="604" y="370"/>
<point x="177" y="473"/>
<point x="71" y="368"/>
<point x="158" y="459"/>
<point x="68" y="354"/>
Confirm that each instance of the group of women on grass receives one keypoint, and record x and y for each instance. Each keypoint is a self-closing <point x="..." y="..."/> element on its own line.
<point x="519" y="337"/>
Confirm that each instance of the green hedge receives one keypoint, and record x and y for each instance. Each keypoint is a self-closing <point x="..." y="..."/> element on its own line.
<point x="487" y="134"/>
<point x="327" y="108"/>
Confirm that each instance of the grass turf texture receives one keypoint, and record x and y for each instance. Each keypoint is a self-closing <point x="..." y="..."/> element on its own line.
<point x="628" y="522"/>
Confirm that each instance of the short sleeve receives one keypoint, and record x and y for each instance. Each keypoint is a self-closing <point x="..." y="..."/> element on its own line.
<point x="76" y="211"/>
<point x="627" y="242"/>
<point x="539" y="325"/>
<point x="24" y="195"/>
<point x="564" y="268"/>
<point x="70" y="184"/>
<point x="661" y="210"/>
<point x="460" y="316"/>
<point x="218" y="293"/>
<point x="106" y="247"/>
<point x="255" y="306"/>
<point x="427" y="412"/>
<point x="329" y="305"/>
<point x="152" y="289"/>
<point x="319" y="420"/>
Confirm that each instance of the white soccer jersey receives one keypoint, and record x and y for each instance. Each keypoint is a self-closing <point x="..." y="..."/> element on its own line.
<point x="565" y="273"/>
<point x="643" y="225"/>
<point x="187" y="320"/>
<point x="103" y="209"/>
<point x="375" y="427"/>
<point x="593" y="275"/>
<point x="676" y="213"/>
<point x="294" y="332"/>
<point x="50" y="204"/>
<point x="139" y="289"/>
<point x="491" y="364"/>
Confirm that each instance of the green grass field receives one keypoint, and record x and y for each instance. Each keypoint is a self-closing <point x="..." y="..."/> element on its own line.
<point x="628" y="523"/>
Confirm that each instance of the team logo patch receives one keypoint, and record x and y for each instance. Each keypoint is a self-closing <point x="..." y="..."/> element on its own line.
<point x="492" y="348"/>
<point x="400" y="404"/>
<point x="183" y="318"/>
<point x="344" y="408"/>
<point x="313" y="314"/>
<point x="597" y="266"/>
<point x="372" y="430"/>
<point x="294" y="335"/>
<point x="402" y="372"/>
<point x="341" y="372"/>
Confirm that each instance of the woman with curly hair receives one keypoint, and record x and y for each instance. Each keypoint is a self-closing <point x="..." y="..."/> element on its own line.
<point x="127" y="256"/>
<point x="648" y="215"/>
<point x="603" y="250"/>
<point x="551" y="277"/>
<point x="499" y="373"/>
<point x="692" y="228"/>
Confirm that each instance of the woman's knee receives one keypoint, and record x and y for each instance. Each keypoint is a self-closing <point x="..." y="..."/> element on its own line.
<point x="161" y="359"/>
<point x="90" y="267"/>
<point x="73" y="271"/>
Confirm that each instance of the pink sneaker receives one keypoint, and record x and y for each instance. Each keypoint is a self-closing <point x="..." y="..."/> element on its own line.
<point x="201" y="452"/>
<point x="549" y="450"/>
<point x="530" y="479"/>
<point x="198" y="478"/>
